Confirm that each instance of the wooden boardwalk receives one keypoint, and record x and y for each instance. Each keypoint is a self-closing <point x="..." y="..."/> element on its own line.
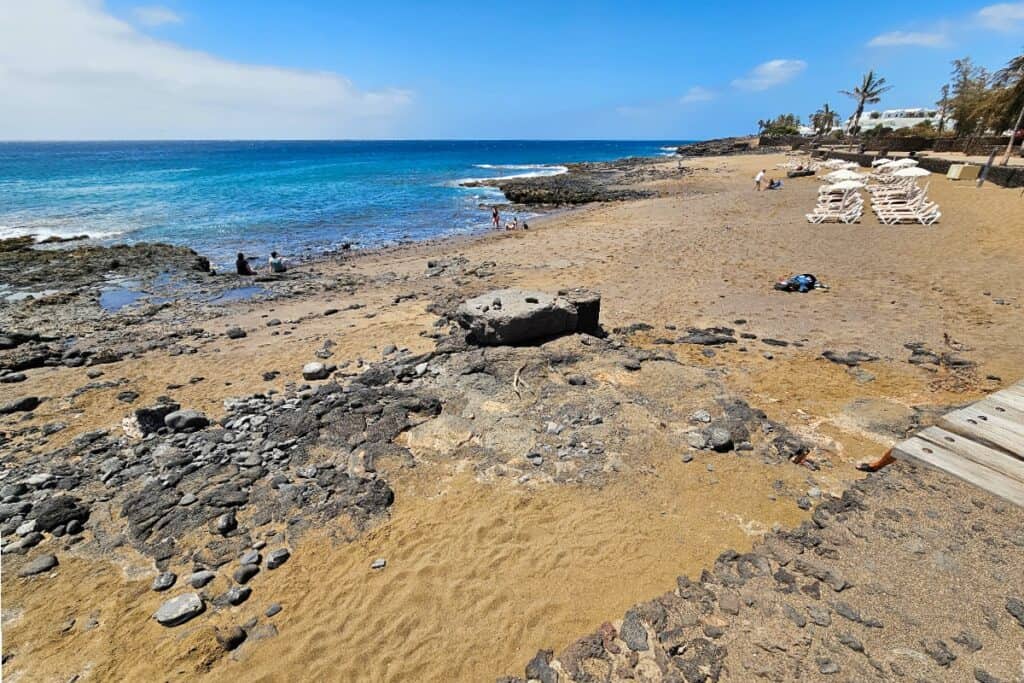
<point x="982" y="444"/>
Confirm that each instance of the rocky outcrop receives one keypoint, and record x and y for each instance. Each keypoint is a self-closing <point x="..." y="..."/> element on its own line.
<point x="514" y="316"/>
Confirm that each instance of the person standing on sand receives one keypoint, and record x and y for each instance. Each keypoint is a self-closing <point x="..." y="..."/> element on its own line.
<point x="759" y="179"/>
<point x="495" y="217"/>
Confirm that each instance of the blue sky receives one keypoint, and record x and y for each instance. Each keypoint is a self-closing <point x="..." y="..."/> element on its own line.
<point x="654" y="70"/>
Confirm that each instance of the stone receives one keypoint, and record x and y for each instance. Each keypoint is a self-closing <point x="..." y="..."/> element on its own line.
<point x="827" y="666"/>
<point x="1016" y="609"/>
<point x="278" y="557"/>
<point x="186" y="420"/>
<point x="164" y="581"/>
<point x="147" y="420"/>
<point x="850" y="641"/>
<point x="523" y="316"/>
<point x="235" y="333"/>
<point x="729" y="602"/>
<point x="58" y="511"/>
<point x="633" y="632"/>
<point x="40" y="565"/>
<point x="25" y="404"/>
<point x="576" y="380"/>
<point x="539" y="668"/>
<point x="251" y="557"/>
<point x="379" y="563"/>
<point x="938" y="651"/>
<point x="226" y="523"/>
<point x="180" y="609"/>
<point x="245" y="572"/>
<point x="315" y="371"/>
<point x="719" y="439"/>
<point x="273" y="610"/>
<point x="820" y="616"/>
<point x="201" y="578"/>
<point x="13" y="378"/>
<point x="790" y="613"/>
<point x="230" y="638"/>
<point x="235" y="595"/>
<point x="968" y="641"/>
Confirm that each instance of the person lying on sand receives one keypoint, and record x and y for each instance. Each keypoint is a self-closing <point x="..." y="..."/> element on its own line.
<point x="242" y="265"/>
<point x="276" y="263"/>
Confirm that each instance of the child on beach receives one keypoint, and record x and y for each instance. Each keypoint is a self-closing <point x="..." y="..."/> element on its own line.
<point x="242" y="265"/>
<point x="759" y="179"/>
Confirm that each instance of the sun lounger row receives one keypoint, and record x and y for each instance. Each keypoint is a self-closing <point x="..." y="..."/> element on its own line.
<point x="837" y="206"/>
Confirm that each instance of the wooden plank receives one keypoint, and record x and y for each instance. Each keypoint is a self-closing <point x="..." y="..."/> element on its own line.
<point x="1011" y="397"/>
<point x="1014" y="390"/>
<point x="975" y="452"/>
<point x="930" y="455"/>
<point x="1011" y="410"/>
<point x="989" y="430"/>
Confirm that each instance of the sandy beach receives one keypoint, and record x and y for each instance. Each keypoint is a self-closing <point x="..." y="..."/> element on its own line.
<point x="530" y="508"/>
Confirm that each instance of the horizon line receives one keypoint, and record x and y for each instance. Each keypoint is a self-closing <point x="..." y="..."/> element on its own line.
<point x="124" y="140"/>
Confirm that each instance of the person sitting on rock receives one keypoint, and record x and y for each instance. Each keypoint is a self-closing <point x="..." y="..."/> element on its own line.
<point x="276" y="263"/>
<point x="242" y="265"/>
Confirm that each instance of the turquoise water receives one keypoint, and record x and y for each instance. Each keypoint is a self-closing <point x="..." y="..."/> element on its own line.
<point x="300" y="198"/>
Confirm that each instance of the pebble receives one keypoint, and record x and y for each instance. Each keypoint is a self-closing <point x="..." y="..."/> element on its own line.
<point x="40" y="565"/>
<point x="278" y="557"/>
<point x="180" y="609"/>
<point x="711" y="468"/>
<point x="700" y="416"/>
<point x="536" y="459"/>
<point x="187" y="499"/>
<point x="236" y="595"/>
<point x="827" y="666"/>
<point x="314" y="371"/>
<point x="273" y="609"/>
<point x="235" y="333"/>
<point x="687" y="457"/>
<point x="245" y="572"/>
<point x="251" y="557"/>
<point x="164" y="581"/>
<point x="201" y="578"/>
<point x="379" y="563"/>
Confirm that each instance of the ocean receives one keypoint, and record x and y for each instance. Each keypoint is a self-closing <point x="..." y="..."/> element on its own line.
<point x="299" y="198"/>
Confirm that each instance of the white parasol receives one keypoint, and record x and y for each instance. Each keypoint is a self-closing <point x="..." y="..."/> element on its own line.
<point x="842" y="174"/>
<point x="911" y="172"/>
<point x="844" y="185"/>
<point x="904" y="163"/>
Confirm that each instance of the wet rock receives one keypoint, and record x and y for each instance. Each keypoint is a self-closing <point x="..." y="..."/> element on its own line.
<point x="186" y="420"/>
<point x="180" y="609"/>
<point x="164" y="581"/>
<point x="40" y="565"/>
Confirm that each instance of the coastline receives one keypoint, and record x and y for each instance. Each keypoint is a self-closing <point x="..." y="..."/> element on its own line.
<point x="702" y="250"/>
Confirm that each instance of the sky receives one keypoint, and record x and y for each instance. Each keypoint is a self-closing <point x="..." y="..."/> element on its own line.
<point x="282" y="69"/>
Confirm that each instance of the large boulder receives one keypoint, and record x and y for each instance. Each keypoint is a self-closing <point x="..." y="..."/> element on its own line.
<point x="186" y="420"/>
<point x="514" y="316"/>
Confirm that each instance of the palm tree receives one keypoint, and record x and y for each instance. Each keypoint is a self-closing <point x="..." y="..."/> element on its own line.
<point x="869" y="91"/>
<point x="1011" y="77"/>
<point x="824" y="120"/>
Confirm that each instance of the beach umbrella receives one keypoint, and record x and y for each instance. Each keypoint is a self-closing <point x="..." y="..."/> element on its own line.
<point x="844" y="185"/>
<point x="842" y="174"/>
<point x="904" y="163"/>
<point x="911" y="172"/>
<point x="881" y="161"/>
<point x="834" y="163"/>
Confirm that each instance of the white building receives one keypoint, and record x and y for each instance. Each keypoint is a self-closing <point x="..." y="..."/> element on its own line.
<point x="899" y="118"/>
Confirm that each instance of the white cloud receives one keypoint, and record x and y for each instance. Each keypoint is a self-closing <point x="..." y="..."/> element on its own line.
<point x="770" y="74"/>
<point x="70" y="70"/>
<point x="908" y="38"/>
<point x="697" y="94"/>
<point x="1004" y="16"/>
<point x="155" y="15"/>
